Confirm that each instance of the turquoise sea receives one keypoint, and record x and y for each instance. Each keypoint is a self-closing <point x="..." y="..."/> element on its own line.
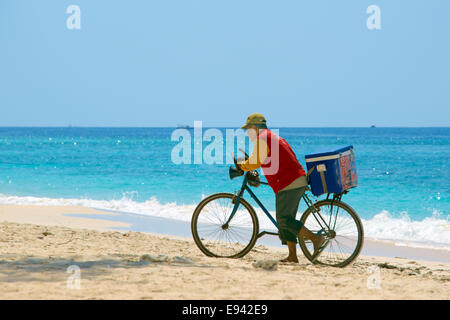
<point x="403" y="173"/>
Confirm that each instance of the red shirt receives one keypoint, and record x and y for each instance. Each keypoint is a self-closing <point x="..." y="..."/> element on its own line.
<point x="281" y="166"/>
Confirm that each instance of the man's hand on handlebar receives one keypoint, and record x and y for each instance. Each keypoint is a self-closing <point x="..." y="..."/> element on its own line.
<point x="236" y="164"/>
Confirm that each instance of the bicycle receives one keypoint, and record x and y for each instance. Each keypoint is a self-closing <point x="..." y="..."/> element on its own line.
<point x="225" y="225"/>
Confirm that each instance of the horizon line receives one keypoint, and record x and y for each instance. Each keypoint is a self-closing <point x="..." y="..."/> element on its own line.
<point x="224" y="127"/>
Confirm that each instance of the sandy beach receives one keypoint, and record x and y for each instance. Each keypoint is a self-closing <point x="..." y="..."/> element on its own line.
<point x="43" y="250"/>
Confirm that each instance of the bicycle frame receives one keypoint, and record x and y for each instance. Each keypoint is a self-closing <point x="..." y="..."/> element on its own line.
<point x="308" y="202"/>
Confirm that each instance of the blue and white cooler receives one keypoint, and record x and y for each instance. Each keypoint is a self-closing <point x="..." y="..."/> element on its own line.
<point x="332" y="171"/>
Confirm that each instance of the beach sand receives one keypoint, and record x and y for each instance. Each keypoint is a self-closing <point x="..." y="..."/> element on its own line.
<point x="41" y="251"/>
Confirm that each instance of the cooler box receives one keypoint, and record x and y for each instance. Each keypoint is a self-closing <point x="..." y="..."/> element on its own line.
<point x="332" y="171"/>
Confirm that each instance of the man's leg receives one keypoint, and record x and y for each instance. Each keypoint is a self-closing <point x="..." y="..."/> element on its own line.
<point x="286" y="210"/>
<point x="292" y="256"/>
<point x="292" y="246"/>
<point x="289" y="228"/>
<point x="315" y="239"/>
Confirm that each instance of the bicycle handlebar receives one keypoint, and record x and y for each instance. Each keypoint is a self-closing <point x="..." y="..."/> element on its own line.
<point x="237" y="171"/>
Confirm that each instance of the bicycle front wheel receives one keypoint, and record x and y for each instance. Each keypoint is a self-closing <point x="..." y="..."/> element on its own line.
<point x="340" y="225"/>
<point x="216" y="239"/>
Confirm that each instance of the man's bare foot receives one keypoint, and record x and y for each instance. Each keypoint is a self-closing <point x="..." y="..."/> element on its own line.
<point x="289" y="259"/>
<point x="318" y="242"/>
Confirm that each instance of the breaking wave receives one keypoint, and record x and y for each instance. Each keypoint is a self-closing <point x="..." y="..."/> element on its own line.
<point x="431" y="232"/>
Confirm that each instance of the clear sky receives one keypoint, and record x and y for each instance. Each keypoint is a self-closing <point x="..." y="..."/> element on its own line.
<point x="164" y="62"/>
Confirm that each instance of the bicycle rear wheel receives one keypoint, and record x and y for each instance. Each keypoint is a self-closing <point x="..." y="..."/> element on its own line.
<point x="345" y="233"/>
<point x="217" y="240"/>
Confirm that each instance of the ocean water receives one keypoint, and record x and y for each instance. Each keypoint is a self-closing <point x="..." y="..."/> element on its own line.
<point x="403" y="173"/>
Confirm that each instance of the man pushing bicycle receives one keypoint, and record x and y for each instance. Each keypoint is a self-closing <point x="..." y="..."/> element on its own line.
<point x="288" y="180"/>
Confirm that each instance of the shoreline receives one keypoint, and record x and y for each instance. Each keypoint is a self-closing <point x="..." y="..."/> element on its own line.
<point x="109" y="220"/>
<point x="426" y="233"/>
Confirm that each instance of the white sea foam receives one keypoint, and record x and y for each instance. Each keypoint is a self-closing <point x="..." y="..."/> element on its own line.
<point x="431" y="232"/>
<point x="150" y="207"/>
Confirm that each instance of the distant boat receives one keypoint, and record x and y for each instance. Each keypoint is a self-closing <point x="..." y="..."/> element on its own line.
<point x="373" y="126"/>
<point x="183" y="126"/>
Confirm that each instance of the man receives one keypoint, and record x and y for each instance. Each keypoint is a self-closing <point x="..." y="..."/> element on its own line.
<point x="286" y="177"/>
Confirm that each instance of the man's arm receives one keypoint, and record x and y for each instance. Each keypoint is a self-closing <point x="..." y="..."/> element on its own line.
<point x="259" y="154"/>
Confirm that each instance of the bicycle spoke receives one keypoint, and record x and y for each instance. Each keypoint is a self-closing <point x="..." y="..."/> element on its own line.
<point x="335" y="218"/>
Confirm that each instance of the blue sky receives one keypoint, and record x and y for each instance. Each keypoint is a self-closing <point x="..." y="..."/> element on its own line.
<point x="160" y="63"/>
